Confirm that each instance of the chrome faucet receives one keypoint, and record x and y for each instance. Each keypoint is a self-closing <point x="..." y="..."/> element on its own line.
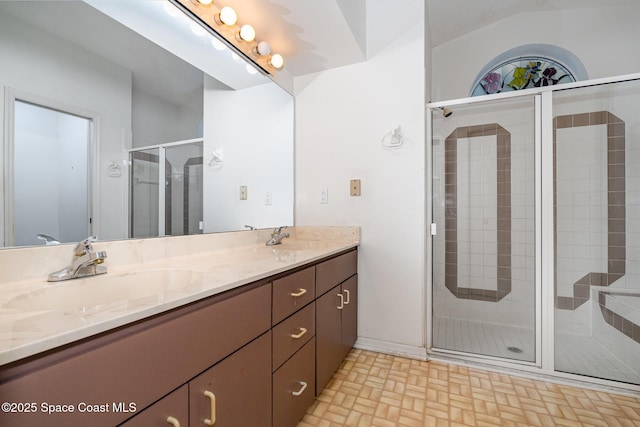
<point x="48" y="240"/>
<point x="277" y="236"/>
<point x="85" y="262"/>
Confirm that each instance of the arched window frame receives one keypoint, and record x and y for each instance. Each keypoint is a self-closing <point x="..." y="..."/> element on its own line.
<point x="528" y="66"/>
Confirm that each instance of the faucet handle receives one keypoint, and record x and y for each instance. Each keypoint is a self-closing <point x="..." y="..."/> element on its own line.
<point x="84" y="246"/>
<point x="278" y="230"/>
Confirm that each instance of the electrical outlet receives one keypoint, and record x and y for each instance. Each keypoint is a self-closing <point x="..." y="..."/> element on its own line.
<point x="354" y="187"/>
<point x="243" y="192"/>
<point x="267" y="198"/>
<point x="324" y="195"/>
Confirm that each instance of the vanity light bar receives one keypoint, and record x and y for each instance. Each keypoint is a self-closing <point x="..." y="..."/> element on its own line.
<point x="224" y="23"/>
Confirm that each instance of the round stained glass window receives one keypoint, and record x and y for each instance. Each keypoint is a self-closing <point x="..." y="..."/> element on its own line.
<point x="522" y="73"/>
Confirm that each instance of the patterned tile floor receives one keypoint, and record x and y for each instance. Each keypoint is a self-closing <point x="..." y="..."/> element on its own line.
<point x="372" y="389"/>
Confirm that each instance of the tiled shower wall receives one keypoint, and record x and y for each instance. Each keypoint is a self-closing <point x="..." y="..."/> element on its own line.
<point x="483" y="261"/>
<point x="598" y="214"/>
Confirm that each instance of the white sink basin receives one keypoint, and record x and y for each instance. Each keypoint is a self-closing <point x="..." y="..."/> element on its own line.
<point x="91" y="293"/>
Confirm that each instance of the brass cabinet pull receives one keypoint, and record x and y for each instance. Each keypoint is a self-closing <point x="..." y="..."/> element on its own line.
<point x="212" y="397"/>
<point x="300" y="292"/>
<point x="302" y="389"/>
<point x="341" y="306"/>
<point x="173" y="421"/>
<point x="300" y="334"/>
<point x="346" y="291"/>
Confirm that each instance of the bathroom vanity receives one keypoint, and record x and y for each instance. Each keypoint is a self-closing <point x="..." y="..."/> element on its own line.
<point x="251" y="338"/>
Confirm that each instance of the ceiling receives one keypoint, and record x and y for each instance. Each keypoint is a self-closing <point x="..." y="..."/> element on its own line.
<point x="311" y="35"/>
<point x="450" y="19"/>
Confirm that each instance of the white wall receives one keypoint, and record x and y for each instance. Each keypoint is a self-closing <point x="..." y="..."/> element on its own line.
<point x="253" y="129"/>
<point x="39" y="64"/>
<point x="341" y="117"/>
<point x="604" y="38"/>
<point x="157" y="121"/>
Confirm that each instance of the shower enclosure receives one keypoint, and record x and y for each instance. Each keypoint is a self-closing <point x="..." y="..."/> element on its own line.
<point x="165" y="190"/>
<point x="535" y="236"/>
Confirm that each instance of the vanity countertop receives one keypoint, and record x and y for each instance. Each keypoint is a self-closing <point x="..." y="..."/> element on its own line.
<point x="37" y="316"/>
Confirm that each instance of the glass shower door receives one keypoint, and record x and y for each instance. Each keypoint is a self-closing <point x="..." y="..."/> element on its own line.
<point x="166" y="196"/>
<point x="597" y="238"/>
<point x="144" y="193"/>
<point x="484" y="290"/>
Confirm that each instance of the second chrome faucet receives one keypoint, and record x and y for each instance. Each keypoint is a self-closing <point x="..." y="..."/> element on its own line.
<point x="85" y="262"/>
<point x="277" y="236"/>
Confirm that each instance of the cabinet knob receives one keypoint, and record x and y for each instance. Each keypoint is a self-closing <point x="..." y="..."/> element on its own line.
<point x="341" y="305"/>
<point x="173" y="421"/>
<point x="302" y="389"/>
<point x="300" y="292"/>
<point x="212" y="397"/>
<point x="299" y="334"/>
<point x="346" y="291"/>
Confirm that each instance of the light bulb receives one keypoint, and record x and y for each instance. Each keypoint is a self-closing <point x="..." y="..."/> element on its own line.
<point x="251" y="69"/>
<point x="247" y="33"/>
<point x="277" y="60"/>
<point x="263" y="48"/>
<point x="235" y="56"/>
<point x="228" y="16"/>
<point x="171" y="9"/>
<point x="197" y="29"/>
<point x="205" y="2"/>
<point x="217" y="44"/>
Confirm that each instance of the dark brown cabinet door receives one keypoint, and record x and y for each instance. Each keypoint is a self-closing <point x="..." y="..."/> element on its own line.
<point x="329" y="350"/>
<point x="236" y="391"/>
<point x="349" y="314"/>
<point x="171" y="410"/>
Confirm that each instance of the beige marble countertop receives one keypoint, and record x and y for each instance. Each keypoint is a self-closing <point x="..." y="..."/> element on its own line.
<point x="145" y="277"/>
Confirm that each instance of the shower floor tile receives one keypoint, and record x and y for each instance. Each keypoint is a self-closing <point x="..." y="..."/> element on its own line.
<point x="584" y="355"/>
<point x="373" y="389"/>
<point x="484" y="338"/>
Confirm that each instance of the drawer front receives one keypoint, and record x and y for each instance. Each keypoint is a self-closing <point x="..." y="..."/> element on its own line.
<point x="139" y="363"/>
<point x="293" y="387"/>
<point x="174" y="406"/>
<point x="335" y="271"/>
<point x="292" y="334"/>
<point x="293" y="292"/>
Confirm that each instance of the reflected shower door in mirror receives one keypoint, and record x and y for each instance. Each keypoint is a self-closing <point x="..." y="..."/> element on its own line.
<point x="51" y="176"/>
<point x="484" y="288"/>
<point x="166" y="190"/>
<point x="155" y="91"/>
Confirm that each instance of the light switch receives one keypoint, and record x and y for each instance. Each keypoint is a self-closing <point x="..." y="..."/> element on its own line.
<point x="354" y="187"/>
<point x="243" y="192"/>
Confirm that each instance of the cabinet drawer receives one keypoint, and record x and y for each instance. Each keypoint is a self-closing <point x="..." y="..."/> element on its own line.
<point x="139" y="363"/>
<point x="293" y="292"/>
<point x="335" y="271"/>
<point x="174" y="405"/>
<point x="293" y="387"/>
<point x="292" y="334"/>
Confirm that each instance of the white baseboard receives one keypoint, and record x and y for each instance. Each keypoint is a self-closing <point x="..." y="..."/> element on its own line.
<point x="393" y="348"/>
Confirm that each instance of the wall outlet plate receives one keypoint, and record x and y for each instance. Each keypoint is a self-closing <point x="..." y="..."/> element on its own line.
<point x="243" y="192"/>
<point x="324" y="195"/>
<point x="268" y="199"/>
<point x="354" y="187"/>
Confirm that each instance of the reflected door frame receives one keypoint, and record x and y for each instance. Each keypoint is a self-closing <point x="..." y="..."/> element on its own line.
<point x="7" y="220"/>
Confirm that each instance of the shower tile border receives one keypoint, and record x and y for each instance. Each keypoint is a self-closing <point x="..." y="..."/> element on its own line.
<point x="503" y="212"/>
<point x="616" y="210"/>
<point x="622" y="324"/>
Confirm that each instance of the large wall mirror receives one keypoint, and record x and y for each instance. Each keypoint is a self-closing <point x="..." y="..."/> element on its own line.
<point x="124" y="119"/>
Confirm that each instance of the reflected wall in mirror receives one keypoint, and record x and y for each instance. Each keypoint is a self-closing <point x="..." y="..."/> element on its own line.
<point x="144" y="80"/>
